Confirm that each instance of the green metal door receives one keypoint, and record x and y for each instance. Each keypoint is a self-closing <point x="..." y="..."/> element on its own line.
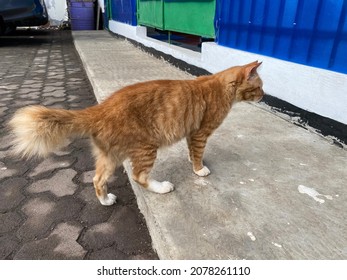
<point x="190" y="16"/>
<point x="151" y="13"/>
<point x="108" y="13"/>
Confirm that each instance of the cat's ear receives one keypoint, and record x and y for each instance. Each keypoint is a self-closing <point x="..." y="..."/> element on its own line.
<point x="250" y="70"/>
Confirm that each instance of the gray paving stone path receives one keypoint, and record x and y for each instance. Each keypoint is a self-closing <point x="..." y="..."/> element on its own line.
<point x="48" y="209"/>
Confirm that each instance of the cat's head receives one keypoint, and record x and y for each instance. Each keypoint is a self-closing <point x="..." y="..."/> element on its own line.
<point x="245" y="82"/>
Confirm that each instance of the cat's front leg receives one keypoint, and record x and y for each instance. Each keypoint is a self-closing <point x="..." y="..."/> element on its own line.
<point x="196" y="145"/>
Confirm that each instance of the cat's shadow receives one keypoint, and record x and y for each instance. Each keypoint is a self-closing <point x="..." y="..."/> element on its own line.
<point x="172" y="163"/>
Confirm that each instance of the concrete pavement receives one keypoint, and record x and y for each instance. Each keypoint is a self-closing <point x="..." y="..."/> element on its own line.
<point x="276" y="191"/>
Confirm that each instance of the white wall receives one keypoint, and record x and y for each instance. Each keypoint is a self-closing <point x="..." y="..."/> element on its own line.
<point x="316" y="90"/>
<point x="313" y="89"/>
<point x="57" y="11"/>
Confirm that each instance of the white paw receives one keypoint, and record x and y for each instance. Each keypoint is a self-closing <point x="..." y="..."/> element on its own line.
<point x="167" y="187"/>
<point x="203" y="172"/>
<point x="160" y="187"/>
<point x="110" y="199"/>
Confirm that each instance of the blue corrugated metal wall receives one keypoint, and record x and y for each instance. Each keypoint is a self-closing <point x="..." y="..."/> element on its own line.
<point x="311" y="32"/>
<point x="124" y="11"/>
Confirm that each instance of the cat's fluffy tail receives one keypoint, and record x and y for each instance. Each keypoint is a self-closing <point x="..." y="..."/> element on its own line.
<point x="38" y="131"/>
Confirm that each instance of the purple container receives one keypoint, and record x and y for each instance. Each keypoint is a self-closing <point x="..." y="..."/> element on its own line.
<point x="82" y="15"/>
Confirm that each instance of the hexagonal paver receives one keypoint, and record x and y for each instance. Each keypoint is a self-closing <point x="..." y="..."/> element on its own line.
<point x="50" y="164"/>
<point x="60" y="184"/>
<point x="10" y="193"/>
<point x="60" y="244"/>
<point x="8" y="244"/>
<point x="122" y="228"/>
<point x="9" y="221"/>
<point x="37" y="211"/>
<point x="42" y="212"/>
<point x="5" y="172"/>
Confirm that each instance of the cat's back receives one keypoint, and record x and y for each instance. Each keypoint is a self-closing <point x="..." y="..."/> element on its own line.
<point x="152" y="93"/>
<point x="156" y="94"/>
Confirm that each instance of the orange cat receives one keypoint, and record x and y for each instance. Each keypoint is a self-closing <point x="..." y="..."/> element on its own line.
<point x="139" y="119"/>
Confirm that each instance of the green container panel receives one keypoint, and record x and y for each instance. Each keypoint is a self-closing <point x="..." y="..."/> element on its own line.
<point x="190" y="16"/>
<point x="151" y="13"/>
<point x="187" y="16"/>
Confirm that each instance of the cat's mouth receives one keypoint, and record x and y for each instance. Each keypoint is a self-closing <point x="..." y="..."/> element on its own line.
<point x="259" y="96"/>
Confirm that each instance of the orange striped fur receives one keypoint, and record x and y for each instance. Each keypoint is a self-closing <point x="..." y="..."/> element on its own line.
<point x="137" y="120"/>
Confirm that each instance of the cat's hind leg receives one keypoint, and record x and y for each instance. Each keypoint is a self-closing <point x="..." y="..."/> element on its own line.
<point x="105" y="167"/>
<point x="142" y="163"/>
